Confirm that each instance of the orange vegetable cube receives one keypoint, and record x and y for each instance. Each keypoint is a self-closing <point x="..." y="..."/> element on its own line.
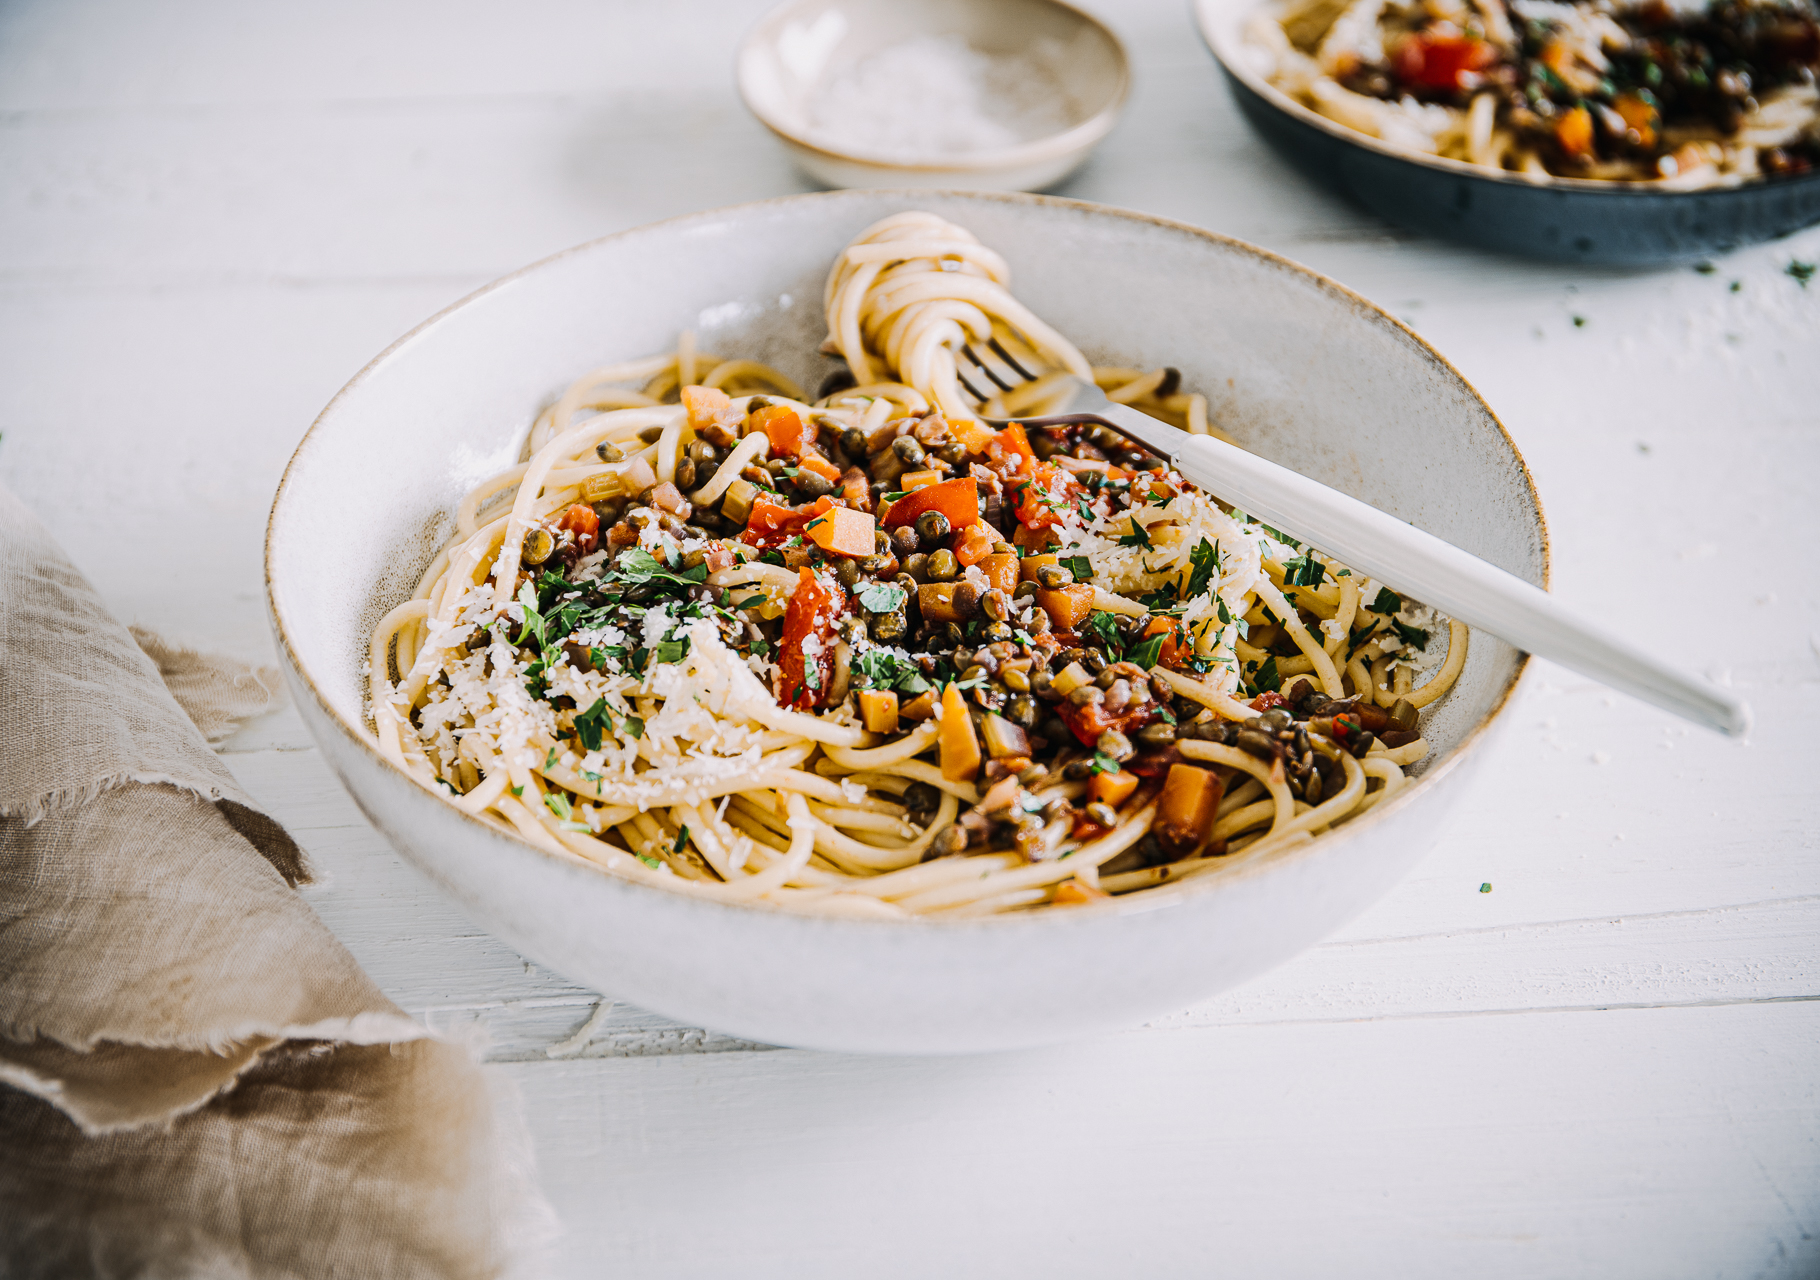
<point x="971" y="432"/>
<point x="921" y="707"/>
<point x="960" y="745"/>
<point x="842" y="531"/>
<point x="1185" y="812"/>
<point x="1000" y="570"/>
<point x="1028" y="566"/>
<point x="1112" y="788"/>
<point x="878" y="709"/>
<point x="1573" y="130"/>
<point x="911" y="481"/>
<point x="1067" y="607"/>
<point x="973" y="543"/>
<point x="706" y="405"/>
<point x="935" y="601"/>
<point x="790" y="435"/>
<point x="1035" y="539"/>
<point x="812" y="461"/>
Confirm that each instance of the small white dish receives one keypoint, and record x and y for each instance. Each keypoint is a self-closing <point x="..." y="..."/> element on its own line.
<point x="798" y="53"/>
<point x="1295" y="367"/>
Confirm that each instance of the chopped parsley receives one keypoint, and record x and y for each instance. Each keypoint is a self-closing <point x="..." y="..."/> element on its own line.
<point x="591" y="725"/>
<point x="1411" y="635"/>
<point x="1102" y="625"/>
<point x="1267" y="680"/>
<point x="1387" y="602"/>
<point x="1304" y="571"/>
<point x="1080" y="566"/>
<point x="882" y="598"/>
<point x="1147" y="652"/>
<point x="1204" y="569"/>
<point x="1138" y="537"/>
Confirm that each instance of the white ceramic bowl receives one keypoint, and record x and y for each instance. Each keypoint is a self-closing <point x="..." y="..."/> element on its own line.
<point x="797" y="46"/>
<point x="1295" y="367"/>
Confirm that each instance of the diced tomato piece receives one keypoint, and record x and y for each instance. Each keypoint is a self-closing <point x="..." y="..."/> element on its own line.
<point x="583" y="525"/>
<point x="1089" y="722"/>
<point x="1038" y="497"/>
<point x="958" y="499"/>
<point x="1011" y="445"/>
<point x="770" y="526"/>
<point x="790" y="435"/>
<point x="1268" y="699"/>
<point x="807" y="661"/>
<point x="973" y="544"/>
<point x="1442" y="60"/>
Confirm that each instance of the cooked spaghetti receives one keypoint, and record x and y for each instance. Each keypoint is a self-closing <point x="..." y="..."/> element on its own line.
<point x="868" y="654"/>
<point x="1679" y="96"/>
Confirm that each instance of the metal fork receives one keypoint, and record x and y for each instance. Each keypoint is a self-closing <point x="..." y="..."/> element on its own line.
<point x="1371" y="542"/>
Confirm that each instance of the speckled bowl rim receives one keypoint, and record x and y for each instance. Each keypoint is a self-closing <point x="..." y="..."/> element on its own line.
<point x="1203" y="11"/>
<point x="1075" y="138"/>
<point x="1163" y="896"/>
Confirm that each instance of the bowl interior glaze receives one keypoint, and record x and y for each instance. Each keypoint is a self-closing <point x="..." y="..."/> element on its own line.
<point x="1295" y="368"/>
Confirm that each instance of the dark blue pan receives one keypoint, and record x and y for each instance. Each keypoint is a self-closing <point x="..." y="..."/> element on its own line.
<point x="1563" y="219"/>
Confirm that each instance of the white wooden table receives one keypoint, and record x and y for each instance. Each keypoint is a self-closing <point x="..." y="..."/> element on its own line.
<point x="212" y="214"/>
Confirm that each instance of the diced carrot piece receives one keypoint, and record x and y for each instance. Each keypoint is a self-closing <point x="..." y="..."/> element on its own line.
<point x="959" y="500"/>
<point x="878" y="708"/>
<point x="1067" y="607"/>
<point x="1013" y="440"/>
<point x="706" y="405"/>
<point x="935" y="601"/>
<point x="856" y="489"/>
<point x="1075" y="893"/>
<point x="921" y="707"/>
<point x="1185" y="813"/>
<point x="971" y="432"/>
<point x="1028" y="566"/>
<point x="790" y="436"/>
<point x="1112" y="788"/>
<point x="911" y="481"/>
<point x="1573" y="130"/>
<point x="973" y="544"/>
<point x="812" y="461"/>
<point x="843" y="531"/>
<point x="1639" y="115"/>
<point x="960" y="745"/>
<point x="1000" y="570"/>
<point x="1035" y="539"/>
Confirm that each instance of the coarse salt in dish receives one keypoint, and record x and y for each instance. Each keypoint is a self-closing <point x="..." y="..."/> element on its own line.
<point x="933" y="97"/>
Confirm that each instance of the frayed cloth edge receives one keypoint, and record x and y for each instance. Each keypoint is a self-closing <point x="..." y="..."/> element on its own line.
<point x="372" y="1026"/>
<point x="67" y="799"/>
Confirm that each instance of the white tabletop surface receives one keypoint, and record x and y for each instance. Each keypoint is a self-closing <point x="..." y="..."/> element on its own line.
<point x="213" y="213"/>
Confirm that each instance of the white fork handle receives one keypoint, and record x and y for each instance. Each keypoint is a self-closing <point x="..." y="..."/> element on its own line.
<point x="1443" y="576"/>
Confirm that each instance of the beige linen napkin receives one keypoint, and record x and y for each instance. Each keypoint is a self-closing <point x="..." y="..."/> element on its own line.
<point x="203" y="1081"/>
